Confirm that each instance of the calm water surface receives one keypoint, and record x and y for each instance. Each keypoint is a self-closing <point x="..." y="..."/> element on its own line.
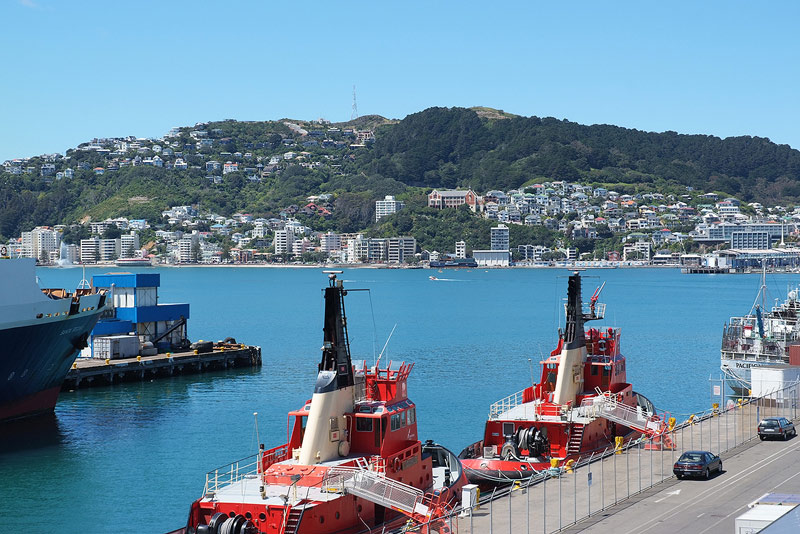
<point x="131" y="458"/>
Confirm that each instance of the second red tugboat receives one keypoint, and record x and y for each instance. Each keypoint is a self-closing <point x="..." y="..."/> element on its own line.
<point x="352" y="462"/>
<point x="581" y="404"/>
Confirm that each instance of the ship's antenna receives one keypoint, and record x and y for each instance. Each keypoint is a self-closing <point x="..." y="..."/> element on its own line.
<point x="385" y="345"/>
<point x="762" y="291"/>
<point x="374" y="330"/>
<point x="258" y="440"/>
<point x="530" y="367"/>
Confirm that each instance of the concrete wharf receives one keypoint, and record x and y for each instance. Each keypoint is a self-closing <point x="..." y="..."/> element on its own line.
<point x="635" y="491"/>
<point x="89" y="372"/>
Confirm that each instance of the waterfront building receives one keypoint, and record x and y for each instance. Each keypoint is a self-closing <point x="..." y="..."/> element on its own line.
<point x="357" y="249"/>
<point x="751" y="240"/>
<point x="330" y="241"/>
<point x="387" y="206"/>
<point x="129" y="244"/>
<point x="377" y="249"/>
<point x="300" y="246"/>
<point x="492" y="258"/>
<point x="283" y="241"/>
<point x="721" y="232"/>
<point x="90" y="250"/>
<point x="461" y="250"/>
<point x="401" y="249"/>
<point x="109" y="249"/>
<point x="500" y="237"/>
<point x="39" y="243"/>
<point x="186" y="246"/>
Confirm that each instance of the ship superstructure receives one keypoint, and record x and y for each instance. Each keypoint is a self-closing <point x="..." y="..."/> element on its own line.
<point x="352" y="461"/>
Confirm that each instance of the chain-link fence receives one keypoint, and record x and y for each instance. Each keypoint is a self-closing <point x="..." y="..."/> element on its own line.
<point x="562" y="497"/>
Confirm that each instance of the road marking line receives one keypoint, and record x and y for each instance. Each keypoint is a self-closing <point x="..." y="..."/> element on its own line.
<point x="743" y="507"/>
<point x="681" y="508"/>
<point x="669" y="494"/>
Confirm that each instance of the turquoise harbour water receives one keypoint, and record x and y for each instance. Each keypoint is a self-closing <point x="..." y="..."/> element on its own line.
<point x="131" y="458"/>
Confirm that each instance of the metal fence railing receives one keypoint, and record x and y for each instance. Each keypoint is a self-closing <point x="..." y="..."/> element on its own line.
<point x="557" y="499"/>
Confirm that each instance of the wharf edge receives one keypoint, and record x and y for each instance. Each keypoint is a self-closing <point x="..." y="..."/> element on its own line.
<point x="94" y="372"/>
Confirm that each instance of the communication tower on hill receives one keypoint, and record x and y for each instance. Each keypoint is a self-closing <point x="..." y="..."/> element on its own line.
<point x="354" y="114"/>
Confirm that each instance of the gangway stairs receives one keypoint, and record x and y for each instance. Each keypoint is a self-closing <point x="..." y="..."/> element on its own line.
<point x="609" y="407"/>
<point x="575" y="439"/>
<point x="376" y="487"/>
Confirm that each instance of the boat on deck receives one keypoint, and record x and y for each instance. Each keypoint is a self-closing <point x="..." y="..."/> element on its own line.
<point x="582" y="405"/>
<point x="352" y="462"/>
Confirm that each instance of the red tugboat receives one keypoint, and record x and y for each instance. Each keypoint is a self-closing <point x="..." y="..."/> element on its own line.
<point x="352" y="463"/>
<point x="581" y="404"/>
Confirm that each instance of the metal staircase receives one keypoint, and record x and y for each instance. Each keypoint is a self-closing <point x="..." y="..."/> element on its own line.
<point x="608" y="407"/>
<point x="575" y="439"/>
<point x="293" y="521"/>
<point x="376" y="487"/>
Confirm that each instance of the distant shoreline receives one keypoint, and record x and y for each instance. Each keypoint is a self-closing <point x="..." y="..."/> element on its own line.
<point x="355" y="266"/>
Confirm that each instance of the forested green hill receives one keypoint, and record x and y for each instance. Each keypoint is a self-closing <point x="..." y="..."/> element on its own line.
<point x="439" y="147"/>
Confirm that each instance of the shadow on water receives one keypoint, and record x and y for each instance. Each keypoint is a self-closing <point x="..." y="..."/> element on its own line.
<point x="31" y="433"/>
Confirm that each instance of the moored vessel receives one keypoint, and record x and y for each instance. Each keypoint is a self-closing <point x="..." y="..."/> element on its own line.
<point x="41" y="333"/>
<point x="352" y="461"/>
<point x="582" y="405"/>
<point x="759" y="339"/>
<point x="134" y="262"/>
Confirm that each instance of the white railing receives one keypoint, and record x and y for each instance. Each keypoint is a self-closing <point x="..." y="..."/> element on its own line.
<point x="227" y="475"/>
<point x="374" y="487"/>
<point x="503" y="405"/>
<point x="609" y="408"/>
<point x="596" y="312"/>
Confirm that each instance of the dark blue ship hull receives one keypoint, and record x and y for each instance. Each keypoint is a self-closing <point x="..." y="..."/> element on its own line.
<point x="35" y="359"/>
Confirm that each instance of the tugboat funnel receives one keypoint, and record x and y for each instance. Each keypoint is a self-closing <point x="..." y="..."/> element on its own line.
<point x="569" y="379"/>
<point x="326" y="432"/>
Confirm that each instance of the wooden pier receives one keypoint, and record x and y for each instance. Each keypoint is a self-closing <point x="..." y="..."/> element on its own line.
<point x="89" y="372"/>
<point x="706" y="270"/>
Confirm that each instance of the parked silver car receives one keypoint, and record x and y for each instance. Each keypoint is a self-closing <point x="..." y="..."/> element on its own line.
<point x="776" y="427"/>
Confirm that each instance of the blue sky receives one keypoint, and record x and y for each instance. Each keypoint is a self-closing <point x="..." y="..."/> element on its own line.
<point x="72" y="71"/>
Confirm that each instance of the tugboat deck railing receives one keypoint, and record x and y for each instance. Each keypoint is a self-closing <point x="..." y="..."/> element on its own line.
<point x="248" y="467"/>
<point x="230" y="474"/>
<point x="504" y="405"/>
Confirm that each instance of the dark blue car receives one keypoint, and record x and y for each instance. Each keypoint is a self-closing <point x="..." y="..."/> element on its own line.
<point x="697" y="464"/>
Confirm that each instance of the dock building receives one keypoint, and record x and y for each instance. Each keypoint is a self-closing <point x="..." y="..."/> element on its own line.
<point x="133" y="310"/>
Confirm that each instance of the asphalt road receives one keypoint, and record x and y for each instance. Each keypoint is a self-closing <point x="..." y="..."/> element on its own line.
<point x="706" y="506"/>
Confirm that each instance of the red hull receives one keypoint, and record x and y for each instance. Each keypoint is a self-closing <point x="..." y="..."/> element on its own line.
<point x="38" y="403"/>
